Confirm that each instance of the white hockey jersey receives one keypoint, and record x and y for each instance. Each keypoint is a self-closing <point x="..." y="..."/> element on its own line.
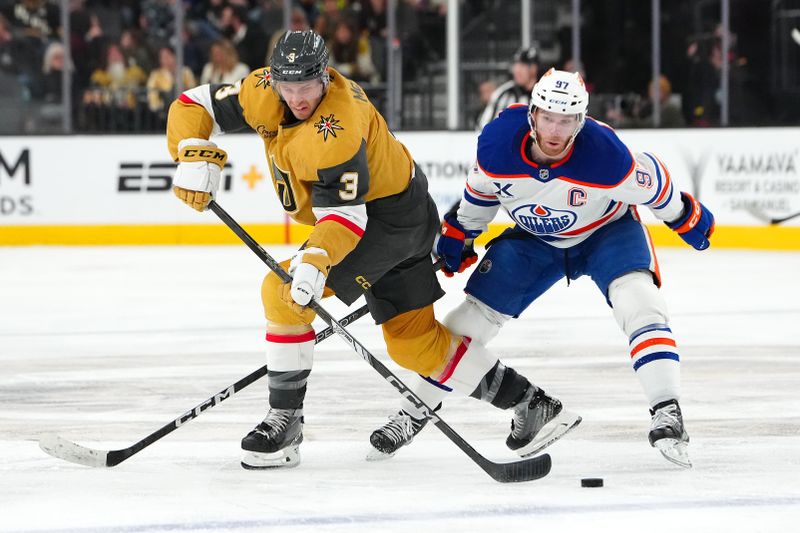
<point x="564" y="202"/>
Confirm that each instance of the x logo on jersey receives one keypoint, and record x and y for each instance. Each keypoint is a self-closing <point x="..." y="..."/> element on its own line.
<point x="502" y="190"/>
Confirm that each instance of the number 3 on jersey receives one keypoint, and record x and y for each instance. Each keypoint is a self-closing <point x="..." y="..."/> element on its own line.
<point x="350" y="182"/>
<point x="283" y="187"/>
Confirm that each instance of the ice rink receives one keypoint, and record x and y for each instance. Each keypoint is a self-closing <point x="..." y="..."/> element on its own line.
<point x="104" y="345"/>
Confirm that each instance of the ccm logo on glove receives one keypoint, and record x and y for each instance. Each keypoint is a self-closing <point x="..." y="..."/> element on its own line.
<point x="197" y="178"/>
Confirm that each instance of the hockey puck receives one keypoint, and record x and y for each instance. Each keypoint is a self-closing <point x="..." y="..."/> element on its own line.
<point x="592" y="482"/>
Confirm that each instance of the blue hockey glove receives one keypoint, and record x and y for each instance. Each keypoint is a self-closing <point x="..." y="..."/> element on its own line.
<point x="451" y="246"/>
<point x="695" y="225"/>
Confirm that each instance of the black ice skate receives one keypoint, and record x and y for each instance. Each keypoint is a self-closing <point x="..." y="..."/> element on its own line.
<point x="393" y="435"/>
<point x="538" y="422"/>
<point x="275" y="441"/>
<point x="668" y="434"/>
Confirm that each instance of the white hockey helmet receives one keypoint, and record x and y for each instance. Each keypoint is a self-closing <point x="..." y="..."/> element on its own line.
<point x="559" y="92"/>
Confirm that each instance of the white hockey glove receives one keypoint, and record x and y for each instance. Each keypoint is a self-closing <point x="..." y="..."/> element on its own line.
<point x="196" y="179"/>
<point x="309" y="270"/>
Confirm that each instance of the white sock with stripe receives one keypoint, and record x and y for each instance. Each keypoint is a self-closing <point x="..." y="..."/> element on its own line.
<point x="655" y="360"/>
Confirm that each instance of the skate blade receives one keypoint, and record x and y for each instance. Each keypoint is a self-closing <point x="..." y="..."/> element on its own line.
<point x="289" y="457"/>
<point x="674" y="451"/>
<point x="550" y="432"/>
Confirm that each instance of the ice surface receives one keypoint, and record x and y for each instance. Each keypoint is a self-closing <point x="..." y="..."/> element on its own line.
<point x="105" y="345"/>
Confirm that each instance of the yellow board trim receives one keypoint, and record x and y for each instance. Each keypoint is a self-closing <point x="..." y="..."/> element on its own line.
<point x="748" y="237"/>
<point x="150" y="234"/>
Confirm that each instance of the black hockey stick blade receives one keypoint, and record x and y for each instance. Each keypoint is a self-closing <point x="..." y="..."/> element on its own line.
<point x="62" y="448"/>
<point x="522" y="470"/>
<point x="527" y="469"/>
<point x="67" y="450"/>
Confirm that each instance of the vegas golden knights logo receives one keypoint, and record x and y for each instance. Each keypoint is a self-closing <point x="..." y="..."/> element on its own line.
<point x="283" y="187"/>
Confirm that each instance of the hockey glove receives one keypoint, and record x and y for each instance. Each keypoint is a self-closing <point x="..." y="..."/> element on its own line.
<point x="695" y="225"/>
<point x="196" y="180"/>
<point x="454" y="245"/>
<point x="309" y="270"/>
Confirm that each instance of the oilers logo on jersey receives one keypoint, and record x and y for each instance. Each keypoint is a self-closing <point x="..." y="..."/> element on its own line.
<point x="542" y="220"/>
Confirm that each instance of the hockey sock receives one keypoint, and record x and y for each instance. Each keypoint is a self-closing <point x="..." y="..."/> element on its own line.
<point x="656" y="362"/>
<point x="502" y="386"/>
<point x="289" y="360"/>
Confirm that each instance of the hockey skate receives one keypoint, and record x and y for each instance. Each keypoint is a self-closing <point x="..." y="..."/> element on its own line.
<point x="668" y="434"/>
<point x="399" y="431"/>
<point x="538" y="422"/>
<point x="275" y="441"/>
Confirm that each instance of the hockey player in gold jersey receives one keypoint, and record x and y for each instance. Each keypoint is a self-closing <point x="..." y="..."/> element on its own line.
<point x="335" y="166"/>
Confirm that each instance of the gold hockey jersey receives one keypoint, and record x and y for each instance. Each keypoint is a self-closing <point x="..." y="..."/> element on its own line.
<point x="324" y="169"/>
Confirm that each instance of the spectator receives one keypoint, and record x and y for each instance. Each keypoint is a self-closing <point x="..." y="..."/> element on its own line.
<point x="48" y="87"/>
<point x="641" y="111"/>
<point x="351" y="55"/>
<point x="248" y="39"/>
<point x="372" y="18"/>
<point x="223" y="65"/>
<point x="136" y="54"/>
<point x="32" y="23"/>
<point x="703" y="99"/>
<point x="36" y="20"/>
<point x="270" y="16"/>
<point x="116" y="82"/>
<point x="485" y="90"/>
<point x="671" y="115"/>
<point x="85" y="41"/>
<point x="161" y="82"/>
<point x="48" y="92"/>
<point x="311" y="9"/>
<point x="111" y="99"/>
<point x="157" y="20"/>
<point x="208" y="14"/>
<point x="701" y="107"/>
<point x="517" y="90"/>
<point x="328" y="19"/>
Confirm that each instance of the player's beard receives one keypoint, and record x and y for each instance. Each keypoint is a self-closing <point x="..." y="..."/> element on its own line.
<point x="551" y="151"/>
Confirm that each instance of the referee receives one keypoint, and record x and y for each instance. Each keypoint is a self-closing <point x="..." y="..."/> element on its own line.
<point x="517" y="90"/>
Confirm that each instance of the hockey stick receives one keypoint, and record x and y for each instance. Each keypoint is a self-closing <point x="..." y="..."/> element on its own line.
<point x="521" y="470"/>
<point x="67" y="450"/>
<point x="760" y="215"/>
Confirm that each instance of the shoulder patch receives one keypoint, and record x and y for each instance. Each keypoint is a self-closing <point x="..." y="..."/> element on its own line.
<point x="328" y="125"/>
<point x="263" y="79"/>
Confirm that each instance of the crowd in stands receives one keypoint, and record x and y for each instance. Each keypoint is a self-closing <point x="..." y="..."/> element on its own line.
<point x="124" y="55"/>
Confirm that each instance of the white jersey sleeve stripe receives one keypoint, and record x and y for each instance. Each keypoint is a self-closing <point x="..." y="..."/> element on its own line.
<point x="478" y="194"/>
<point x="353" y="217"/>
<point x="664" y="189"/>
<point x="201" y="95"/>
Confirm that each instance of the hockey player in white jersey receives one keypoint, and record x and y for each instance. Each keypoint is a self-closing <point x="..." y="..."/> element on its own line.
<point x="573" y="188"/>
